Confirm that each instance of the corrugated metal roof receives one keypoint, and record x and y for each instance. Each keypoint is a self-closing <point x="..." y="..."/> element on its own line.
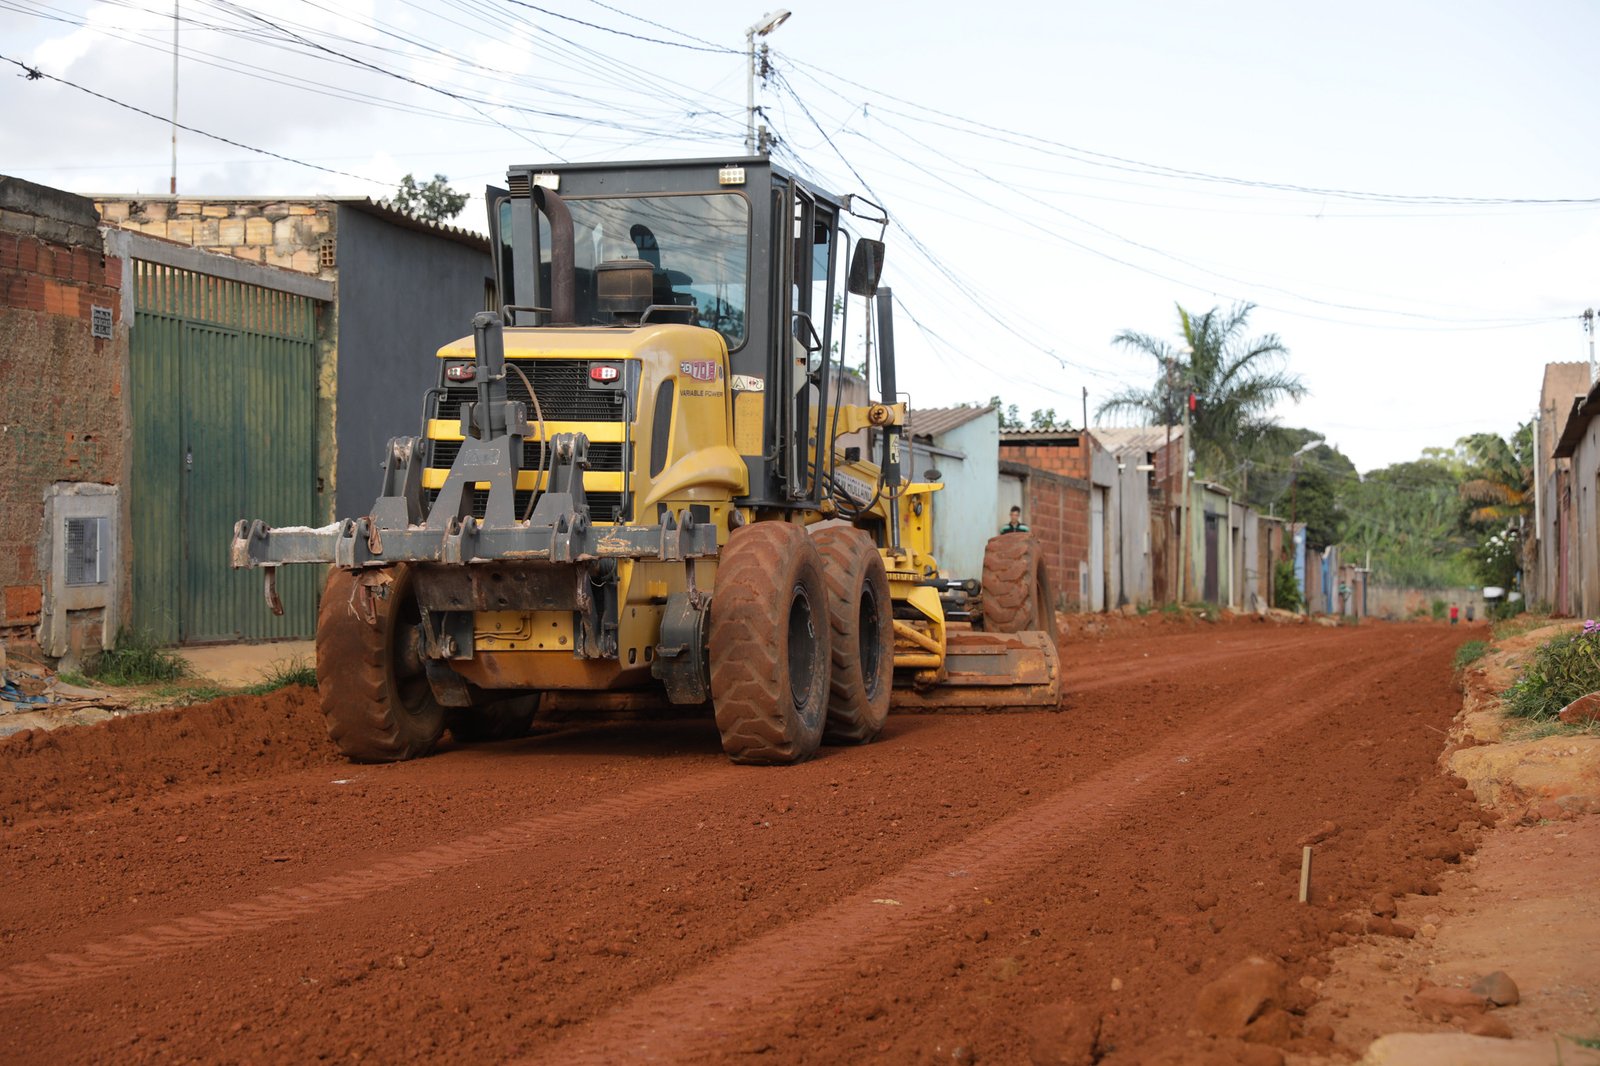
<point x="1134" y="438"/>
<point x="1112" y="439"/>
<point x="933" y="421"/>
<point x="369" y="206"/>
<point x="1040" y="436"/>
<point x="1583" y="411"/>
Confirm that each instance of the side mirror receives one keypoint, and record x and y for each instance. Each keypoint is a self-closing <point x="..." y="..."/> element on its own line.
<point x="866" y="267"/>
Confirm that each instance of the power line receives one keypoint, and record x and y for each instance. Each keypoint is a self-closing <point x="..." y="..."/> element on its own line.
<point x="624" y="33"/>
<point x="34" y="74"/>
<point x="1057" y="208"/>
<point x="927" y="253"/>
<point x="1105" y="159"/>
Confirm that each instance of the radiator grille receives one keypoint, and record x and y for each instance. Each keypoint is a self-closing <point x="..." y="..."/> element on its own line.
<point x="564" y="393"/>
<point x="603" y="506"/>
<point x="603" y="457"/>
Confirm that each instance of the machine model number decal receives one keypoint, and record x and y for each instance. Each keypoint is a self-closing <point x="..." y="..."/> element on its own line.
<point x="746" y="383"/>
<point x="699" y="369"/>
<point x="859" y="490"/>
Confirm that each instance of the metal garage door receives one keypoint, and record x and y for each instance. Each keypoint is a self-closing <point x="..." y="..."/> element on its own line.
<point x="224" y="400"/>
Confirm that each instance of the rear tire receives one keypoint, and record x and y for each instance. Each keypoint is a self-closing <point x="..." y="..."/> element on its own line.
<point x="769" y="645"/>
<point x="375" y="694"/>
<point x="862" y="638"/>
<point x="1016" y="586"/>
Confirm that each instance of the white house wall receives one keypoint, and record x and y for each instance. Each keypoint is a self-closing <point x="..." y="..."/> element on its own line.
<point x="963" y="514"/>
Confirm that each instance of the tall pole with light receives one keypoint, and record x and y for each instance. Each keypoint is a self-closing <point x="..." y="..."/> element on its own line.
<point x="766" y="24"/>
<point x="173" y="189"/>
<point x="1188" y="496"/>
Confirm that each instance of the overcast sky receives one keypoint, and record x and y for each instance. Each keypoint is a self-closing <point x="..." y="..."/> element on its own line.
<point x="1056" y="173"/>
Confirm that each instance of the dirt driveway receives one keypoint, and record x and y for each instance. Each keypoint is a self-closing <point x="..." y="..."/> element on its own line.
<point x="212" y="883"/>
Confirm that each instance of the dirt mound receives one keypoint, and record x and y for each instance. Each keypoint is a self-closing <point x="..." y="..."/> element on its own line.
<point x="132" y="758"/>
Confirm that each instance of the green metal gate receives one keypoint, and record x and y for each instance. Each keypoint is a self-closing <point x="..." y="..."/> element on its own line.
<point x="224" y="396"/>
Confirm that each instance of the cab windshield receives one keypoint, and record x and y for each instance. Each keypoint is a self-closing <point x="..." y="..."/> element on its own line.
<point x="698" y="246"/>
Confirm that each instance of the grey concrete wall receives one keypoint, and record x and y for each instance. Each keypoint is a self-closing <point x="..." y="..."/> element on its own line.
<point x="402" y="295"/>
<point x="1132" y="533"/>
<point x="1584" y="577"/>
<point x="964" y="511"/>
<point x="1397" y="602"/>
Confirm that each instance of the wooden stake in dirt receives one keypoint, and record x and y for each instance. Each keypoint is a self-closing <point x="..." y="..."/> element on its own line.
<point x="1305" y="874"/>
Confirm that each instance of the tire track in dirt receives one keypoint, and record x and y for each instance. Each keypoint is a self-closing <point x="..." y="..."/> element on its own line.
<point x="685" y="1019"/>
<point x="33" y="980"/>
<point x="1088" y="676"/>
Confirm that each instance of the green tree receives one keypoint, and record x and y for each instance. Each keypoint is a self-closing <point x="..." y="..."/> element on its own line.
<point x="1314" y="499"/>
<point x="1499" y="481"/>
<point x="1499" y="488"/>
<point x="1410" y="519"/>
<point x="1236" y="381"/>
<point x="433" y="201"/>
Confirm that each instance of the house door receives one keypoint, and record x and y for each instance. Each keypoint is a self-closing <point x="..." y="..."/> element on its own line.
<point x="223" y="379"/>
<point x="1097" y="549"/>
<point x="1213" y="560"/>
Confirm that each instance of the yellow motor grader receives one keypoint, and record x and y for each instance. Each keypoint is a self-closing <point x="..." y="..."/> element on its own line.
<point x="633" y="489"/>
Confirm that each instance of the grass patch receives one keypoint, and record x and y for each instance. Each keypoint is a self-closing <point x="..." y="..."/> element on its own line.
<point x="282" y="674"/>
<point x="1520" y="624"/>
<point x="137" y="659"/>
<point x="1561" y="669"/>
<point x="1470" y="652"/>
<point x="1538" y="729"/>
<point x="181" y="694"/>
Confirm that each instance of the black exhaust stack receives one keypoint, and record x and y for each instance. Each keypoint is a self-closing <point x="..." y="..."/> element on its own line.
<point x="563" y="257"/>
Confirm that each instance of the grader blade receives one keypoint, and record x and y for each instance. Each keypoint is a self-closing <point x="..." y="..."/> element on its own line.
<point x="990" y="672"/>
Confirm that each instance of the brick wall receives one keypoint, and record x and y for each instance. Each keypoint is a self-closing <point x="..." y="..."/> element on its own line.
<point x="284" y="233"/>
<point x="61" y="389"/>
<point x="1058" y="515"/>
<point x="1057" y="457"/>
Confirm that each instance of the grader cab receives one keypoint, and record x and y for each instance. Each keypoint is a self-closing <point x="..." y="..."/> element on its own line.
<point x="632" y="491"/>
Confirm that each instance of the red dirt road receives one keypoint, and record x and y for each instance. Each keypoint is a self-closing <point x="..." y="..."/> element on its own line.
<point x="214" y="884"/>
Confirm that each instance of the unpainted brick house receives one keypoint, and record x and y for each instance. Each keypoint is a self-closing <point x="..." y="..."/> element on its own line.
<point x="64" y="433"/>
<point x="168" y="366"/>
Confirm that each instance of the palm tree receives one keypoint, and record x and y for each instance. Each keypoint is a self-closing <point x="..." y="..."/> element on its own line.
<point x="1236" y="383"/>
<point x="1500" y="484"/>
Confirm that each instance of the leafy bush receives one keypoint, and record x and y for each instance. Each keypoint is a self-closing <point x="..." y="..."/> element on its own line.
<point x="1285" y="590"/>
<point x="1505" y="609"/>
<point x="137" y="659"/>
<point x="1562" y="669"/>
<point x="1438" y="608"/>
<point x="1470" y="652"/>
<point x="281" y="674"/>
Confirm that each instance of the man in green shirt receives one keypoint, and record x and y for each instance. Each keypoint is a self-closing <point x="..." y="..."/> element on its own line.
<point x="1015" y="525"/>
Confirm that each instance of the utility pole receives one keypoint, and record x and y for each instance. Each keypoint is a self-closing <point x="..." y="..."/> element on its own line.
<point x="1188" y="500"/>
<point x="1588" y="327"/>
<point x="174" y="187"/>
<point x="768" y="22"/>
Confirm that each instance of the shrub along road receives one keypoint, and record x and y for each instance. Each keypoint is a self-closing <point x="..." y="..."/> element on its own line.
<point x="213" y="883"/>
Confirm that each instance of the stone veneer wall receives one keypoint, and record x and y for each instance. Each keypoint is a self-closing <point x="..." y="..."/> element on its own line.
<point x="292" y="234"/>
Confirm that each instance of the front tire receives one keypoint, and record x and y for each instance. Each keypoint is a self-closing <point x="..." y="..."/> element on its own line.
<point x="769" y="645"/>
<point x="375" y="694"/>
<point x="859" y="613"/>
<point x="1016" y="586"/>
